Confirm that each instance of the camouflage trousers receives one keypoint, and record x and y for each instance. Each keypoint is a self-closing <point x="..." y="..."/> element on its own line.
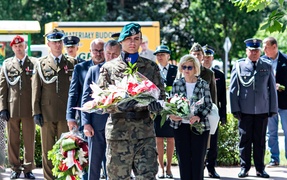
<point x="138" y="155"/>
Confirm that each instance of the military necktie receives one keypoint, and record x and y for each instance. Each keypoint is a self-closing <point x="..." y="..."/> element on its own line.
<point x="57" y="61"/>
<point x="20" y="62"/>
<point x="254" y="65"/>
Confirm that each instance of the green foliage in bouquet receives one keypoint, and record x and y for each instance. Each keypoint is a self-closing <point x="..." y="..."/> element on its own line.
<point x="131" y="68"/>
<point x="61" y="160"/>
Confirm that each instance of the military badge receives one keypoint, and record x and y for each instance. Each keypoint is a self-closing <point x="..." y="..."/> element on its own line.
<point x="133" y="32"/>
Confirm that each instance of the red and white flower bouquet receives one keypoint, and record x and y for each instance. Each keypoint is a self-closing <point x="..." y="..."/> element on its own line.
<point x="133" y="86"/>
<point x="69" y="156"/>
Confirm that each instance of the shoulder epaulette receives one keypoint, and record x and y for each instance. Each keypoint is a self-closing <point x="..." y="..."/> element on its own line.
<point x="266" y="60"/>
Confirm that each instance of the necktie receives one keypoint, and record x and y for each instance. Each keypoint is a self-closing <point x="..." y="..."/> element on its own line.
<point x="20" y="62"/>
<point x="254" y="65"/>
<point x="57" y="61"/>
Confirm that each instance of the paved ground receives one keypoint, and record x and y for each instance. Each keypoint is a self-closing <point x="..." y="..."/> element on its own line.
<point x="226" y="173"/>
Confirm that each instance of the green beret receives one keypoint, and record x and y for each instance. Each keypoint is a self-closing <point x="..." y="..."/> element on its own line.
<point x="129" y="30"/>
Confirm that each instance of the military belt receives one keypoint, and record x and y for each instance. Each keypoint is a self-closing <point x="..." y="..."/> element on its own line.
<point x="132" y="115"/>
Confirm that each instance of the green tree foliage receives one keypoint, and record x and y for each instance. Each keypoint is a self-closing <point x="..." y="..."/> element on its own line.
<point x="275" y="20"/>
<point x="51" y="11"/>
<point x="212" y="21"/>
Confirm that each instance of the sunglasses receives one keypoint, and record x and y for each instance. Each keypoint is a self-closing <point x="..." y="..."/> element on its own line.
<point x="187" y="67"/>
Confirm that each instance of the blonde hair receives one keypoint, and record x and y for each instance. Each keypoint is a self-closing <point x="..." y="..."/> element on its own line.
<point x="190" y="58"/>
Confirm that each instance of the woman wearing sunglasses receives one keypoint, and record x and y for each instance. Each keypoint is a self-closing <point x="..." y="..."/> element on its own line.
<point x="190" y="144"/>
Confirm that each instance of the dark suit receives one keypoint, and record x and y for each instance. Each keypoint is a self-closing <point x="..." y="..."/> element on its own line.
<point x="281" y="78"/>
<point x="221" y="98"/>
<point x="16" y="98"/>
<point x="79" y="60"/>
<point x="97" y="143"/>
<point x="76" y="91"/>
<point x="166" y="130"/>
<point x="76" y="88"/>
<point x="171" y="75"/>
<point x="254" y="99"/>
<point x="50" y="87"/>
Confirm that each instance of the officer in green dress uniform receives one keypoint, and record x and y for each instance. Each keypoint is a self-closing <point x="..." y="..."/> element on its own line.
<point x="50" y="86"/>
<point x="15" y="101"/>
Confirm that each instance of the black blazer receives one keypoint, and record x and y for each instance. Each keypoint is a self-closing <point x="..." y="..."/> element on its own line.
<point x="221" y="92"/>
<point x="281" y="78"/>
<point x="171" y="75"/>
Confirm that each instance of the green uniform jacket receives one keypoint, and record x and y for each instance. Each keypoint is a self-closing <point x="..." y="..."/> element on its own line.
<point x="125" y="129"/>
<point x="50" y="86"/>
<point x="208" y="76"/>
<point x="15" y="87"/>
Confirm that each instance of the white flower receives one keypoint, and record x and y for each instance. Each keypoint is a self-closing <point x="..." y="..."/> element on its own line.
<point x="81" y="156"/>
<point x="69" y="161"/>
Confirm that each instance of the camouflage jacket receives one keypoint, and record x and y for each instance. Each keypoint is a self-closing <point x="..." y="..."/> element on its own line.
<point x="125" y="129"/>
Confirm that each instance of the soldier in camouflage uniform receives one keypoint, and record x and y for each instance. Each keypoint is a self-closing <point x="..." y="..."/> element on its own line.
<point x="130" y="133"/>
<point x="15" y="100"/>
<point x="50" y="86"/>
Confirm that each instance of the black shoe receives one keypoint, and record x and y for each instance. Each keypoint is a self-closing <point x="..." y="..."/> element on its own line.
<point x="15" y="175"/>
<point x="262" y="174"/>
<point x="29" y="175"/>
<point x="243" y="173"/>
<point x="213" y="174"/>
<point x="169" y="176"/>
<point x="103" y="176"/>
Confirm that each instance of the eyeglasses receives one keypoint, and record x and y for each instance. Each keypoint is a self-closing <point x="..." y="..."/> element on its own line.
<point x="187" y="67"/>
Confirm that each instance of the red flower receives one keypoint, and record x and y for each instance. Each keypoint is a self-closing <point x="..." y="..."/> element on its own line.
<point x="85" y="148"/>
<point x="63" y="167"/>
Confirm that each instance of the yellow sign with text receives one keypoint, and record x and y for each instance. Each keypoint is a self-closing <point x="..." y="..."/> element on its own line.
<point x="88" y="31"/>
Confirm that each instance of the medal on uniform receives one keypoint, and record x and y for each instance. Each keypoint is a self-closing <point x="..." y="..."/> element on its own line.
<point x="66" y="69"/>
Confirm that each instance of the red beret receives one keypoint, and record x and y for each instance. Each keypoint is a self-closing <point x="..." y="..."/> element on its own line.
<point x="16" y="40"/>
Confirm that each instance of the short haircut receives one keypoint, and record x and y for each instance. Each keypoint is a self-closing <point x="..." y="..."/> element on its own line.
<point x="272" y="40"/>
<point x="112" y="43"/>
<point x="97" y="41"/>
<point x="189" y="58"/>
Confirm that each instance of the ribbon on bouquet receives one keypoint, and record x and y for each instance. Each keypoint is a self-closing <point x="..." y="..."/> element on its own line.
<point x="70" y="161"/>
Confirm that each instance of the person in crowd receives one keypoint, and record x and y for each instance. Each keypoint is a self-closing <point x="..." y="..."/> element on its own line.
<point x="205" y="73"/>
<point x="95" y="129"/>
<point x="168" y="74"/>
<point x="115" y="36"/>
<point x="130" y="132"/>
<point x="279" y="65"/>
<point x="71" y="44"/>
<point x="146" y="52"/>
<point x="16" y="108"/>
<point x="73" y="116"/>
<point x="190" y="144"/>
<point x="210" y="161"/>
<point x="50" y="87"/>
<point x="253" y="98"/>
